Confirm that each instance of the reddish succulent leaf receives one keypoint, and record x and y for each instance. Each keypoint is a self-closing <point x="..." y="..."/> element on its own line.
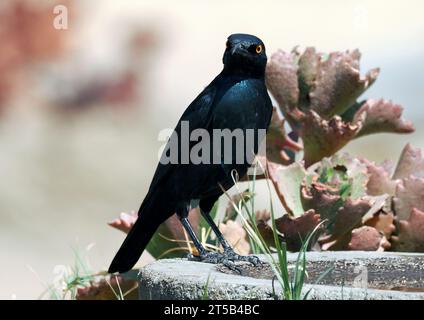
<point x="323" y="138"/>
<point x="378" y="204"/>
<point x="281" y="79"/>
<point x="318" y="199"/>
<point x="383" y="222"/>
<point x="266" y="232"/>
<point x="277" y="141"/>
<point x="236" y="236"/>
<point x="308" y="65"/>
<point x="411" y="233"/>
<point x="382" y="116"/>
<point x="379" y="181"/>
<point x="331" y="242"/>
<point x="125" y="221"/>
<point x="263" y="215"/>
<point x="347" y="218"/>
<point x="101" y="289"/>
<point x="296" y="230"/>
<point x="411" y="162"/>
<point x="367" y="238"/>
<point x="409" y="195"/>
<point x="339" y="83"/>
<point x="350" y="216"/>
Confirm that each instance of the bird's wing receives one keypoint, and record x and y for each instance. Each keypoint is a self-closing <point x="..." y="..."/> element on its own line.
<point x="198" y="115"/>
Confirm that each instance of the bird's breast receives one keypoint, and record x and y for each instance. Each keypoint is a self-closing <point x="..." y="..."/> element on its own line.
<point x="243" y="106"/>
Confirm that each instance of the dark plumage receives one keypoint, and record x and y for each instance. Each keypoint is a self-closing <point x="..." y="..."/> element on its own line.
<point x="236" y="99"/>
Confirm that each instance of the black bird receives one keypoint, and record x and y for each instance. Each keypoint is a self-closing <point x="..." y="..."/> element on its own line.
<point x="236" y="99"/>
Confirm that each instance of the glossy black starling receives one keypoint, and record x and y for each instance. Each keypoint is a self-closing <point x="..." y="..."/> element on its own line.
<point x="236" y="99"/>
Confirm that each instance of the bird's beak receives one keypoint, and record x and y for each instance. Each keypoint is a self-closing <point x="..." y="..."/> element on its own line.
<point x="236" y="48"/>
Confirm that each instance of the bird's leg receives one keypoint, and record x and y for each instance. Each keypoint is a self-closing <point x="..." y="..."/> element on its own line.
<point x="228" y="251"/>
<point x="187" y="226"/>
<point x="204" y="255"/>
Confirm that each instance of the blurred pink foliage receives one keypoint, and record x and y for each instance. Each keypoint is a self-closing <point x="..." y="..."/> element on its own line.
<point x="27" y="37"/>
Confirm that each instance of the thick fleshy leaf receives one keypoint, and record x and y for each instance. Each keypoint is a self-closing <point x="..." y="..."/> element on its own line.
<point x="330" y="242"/>
<point x="367" y="238"/>
<point x="378" y="204"/>
<point x="235" y="234"/>
<point x="382" y="116"/>
<point x="379" y="181"/>
<point x="125" y="221"/>
<point x="262" y="219"/>
<point x="263" y="215"/>
<point x="350" y="216"/>
<point x="347" y="218"/>
<point x="323" y="138"/>
<point x="356" y="171"/>
<point x="278" y="142"/>
<point x="409" y="195"/>
<point x="411" y="162"/>
<point x="287" y="181"/>
<point x="317" y="198"/>
<point x="266" y="232"/>
<point x="296" y="230"/>
<point x="411" y="233"/>
<point x="282" y="81"/>
<point x="339" y="83"/>
<point x="383" y="222"/>
<point x="307" y="72"/>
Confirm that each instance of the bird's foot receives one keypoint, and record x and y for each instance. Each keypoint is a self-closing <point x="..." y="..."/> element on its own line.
<point x="254" y="260"/>
<point x="227" y="258"/>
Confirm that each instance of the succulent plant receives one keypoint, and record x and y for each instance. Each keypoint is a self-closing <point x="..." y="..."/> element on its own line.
<point x="366" y="206"/>
<point x="317" y="94"/>
<point x="333" y="190"/>
<point x="405" y="186"/>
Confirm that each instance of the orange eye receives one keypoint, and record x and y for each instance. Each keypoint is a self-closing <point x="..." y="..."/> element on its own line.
<point x="258" y="49"/>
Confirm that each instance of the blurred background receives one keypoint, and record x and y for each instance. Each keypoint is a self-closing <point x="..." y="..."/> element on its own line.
<point x="81" y="107"/>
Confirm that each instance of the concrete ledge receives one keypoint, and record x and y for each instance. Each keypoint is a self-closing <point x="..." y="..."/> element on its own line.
<point x="182" y="279"/>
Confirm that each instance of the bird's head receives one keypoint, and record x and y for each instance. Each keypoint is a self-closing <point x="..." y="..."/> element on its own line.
<point x="245" y="53"/>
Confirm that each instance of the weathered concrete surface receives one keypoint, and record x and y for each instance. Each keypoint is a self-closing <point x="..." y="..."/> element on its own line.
<point x="182" y="279"/>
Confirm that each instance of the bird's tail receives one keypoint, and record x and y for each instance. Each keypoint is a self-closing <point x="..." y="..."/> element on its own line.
<point x="153" y="211"/>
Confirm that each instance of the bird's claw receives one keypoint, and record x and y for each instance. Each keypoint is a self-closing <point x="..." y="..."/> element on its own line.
<point x="227" y="258"/>
<point x="254" y="260"/>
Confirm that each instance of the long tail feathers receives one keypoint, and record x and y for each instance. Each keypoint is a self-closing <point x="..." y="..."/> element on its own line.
<point x="152" y="213"/>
